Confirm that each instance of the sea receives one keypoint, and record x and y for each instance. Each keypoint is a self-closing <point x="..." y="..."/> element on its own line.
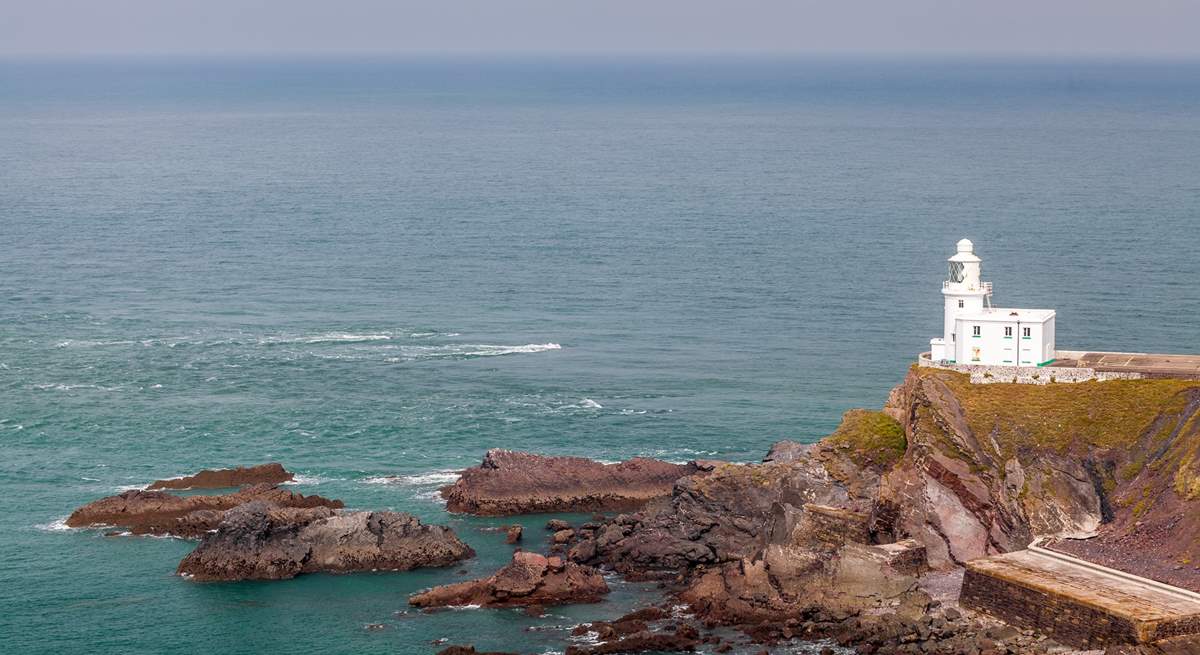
<point x="372" y="270"/>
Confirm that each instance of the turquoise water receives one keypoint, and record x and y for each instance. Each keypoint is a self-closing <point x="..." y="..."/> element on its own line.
<point x="383" y="268"/>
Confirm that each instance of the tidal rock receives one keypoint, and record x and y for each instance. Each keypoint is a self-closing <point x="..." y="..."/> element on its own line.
<point x="469" y="650"/>
<point x="509" y="482"/>
<point x="530" y="579"/>
<point x="162" y="513"/>
<point x="224" y="478"/>
<point x="513" y="534"/>
<point x="259" y="542"/>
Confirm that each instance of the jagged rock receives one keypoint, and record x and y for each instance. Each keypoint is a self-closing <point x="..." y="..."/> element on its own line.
<point x="513" y="534"/>
<point x="530" y="579"/>
<point x="509" y="482"/>
<point x="557" y="525"/>
<point x="273" y="473"/>
<point x="724" y="515"/>
<point x="259" y="542"/>
<point x="162" y="513"/>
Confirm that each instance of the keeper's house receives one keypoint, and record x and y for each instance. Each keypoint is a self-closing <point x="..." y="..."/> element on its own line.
<point x="977" y="333"/>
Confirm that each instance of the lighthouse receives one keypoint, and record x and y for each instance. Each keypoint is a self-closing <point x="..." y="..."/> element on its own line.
<point x="975" y="332"/>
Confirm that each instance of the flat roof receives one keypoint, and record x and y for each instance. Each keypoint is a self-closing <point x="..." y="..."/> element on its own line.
<point x="1166" y="365"/>
<point x="1009" y="314"/>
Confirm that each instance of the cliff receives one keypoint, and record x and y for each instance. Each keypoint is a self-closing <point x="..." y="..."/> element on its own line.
<point x="988" y="468"/>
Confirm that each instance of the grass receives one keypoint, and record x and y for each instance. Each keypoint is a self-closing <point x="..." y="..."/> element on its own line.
<point x="1108" y="414"/>
<point x="873" y="438"/>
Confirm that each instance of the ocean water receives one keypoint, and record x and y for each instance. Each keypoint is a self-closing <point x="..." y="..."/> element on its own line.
<point x="372" y="268"/>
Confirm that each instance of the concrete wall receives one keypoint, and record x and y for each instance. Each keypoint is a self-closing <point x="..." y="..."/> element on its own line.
<point x="987" y="374"/>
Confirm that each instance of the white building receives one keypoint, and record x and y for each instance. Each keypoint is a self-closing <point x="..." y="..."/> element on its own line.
<point x="974" y="332"/>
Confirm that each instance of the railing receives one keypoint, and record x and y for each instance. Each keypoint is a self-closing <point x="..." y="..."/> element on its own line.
<point x="986" y="287"/>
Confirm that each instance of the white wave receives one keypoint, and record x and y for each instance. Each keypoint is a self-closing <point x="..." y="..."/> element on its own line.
<point x="459" y="608"/>
<point x="57" y="525"/>
<point x="330" y="337"/>
<point x="87" y="479"/>
<point x="131" y="487"/>
<point x="60" y="386"/>
<point x="440" y="477"/>
<point x="469" y="350"/>
<point x="300" y="478"/>
<point x="432" y="496"/>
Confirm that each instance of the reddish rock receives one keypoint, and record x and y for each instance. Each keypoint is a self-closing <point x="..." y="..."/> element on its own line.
<point x="259" y="542"/>
<point x="273" y="473"/>
<point x="162" y="513"/>
<point x="513" y="534"/>
<point x="509" y="482"/>
<point x="530" y="579"/>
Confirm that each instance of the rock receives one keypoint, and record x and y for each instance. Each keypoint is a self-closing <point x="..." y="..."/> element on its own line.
<point x="468" y="650"/>
<point x="509" y="482"/>
<point x="223" y="478"/>
<point x="530" y="579"/>
<point x="729" y="514"/>
<point x="257" y="541"/>
<point x="162" y="513"/>
<point x="563" y="536"/>
<point x="513" y="534"/>
<point x="557" y="525"/>
<point x="632" y="633"/>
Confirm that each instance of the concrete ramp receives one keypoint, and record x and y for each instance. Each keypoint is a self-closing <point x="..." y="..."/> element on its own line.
<point x="1078" y="603"/>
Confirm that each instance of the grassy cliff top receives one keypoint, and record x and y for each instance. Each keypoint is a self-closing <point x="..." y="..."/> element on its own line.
<point x="872" y="438"/>
<point x="1116" y="413"/>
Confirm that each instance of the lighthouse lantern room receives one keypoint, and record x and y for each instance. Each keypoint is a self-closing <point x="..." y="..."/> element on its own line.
<point x="974" y="332"/>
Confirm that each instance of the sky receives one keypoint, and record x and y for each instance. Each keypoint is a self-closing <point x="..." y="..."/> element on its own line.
<point x="1141" y="28"/>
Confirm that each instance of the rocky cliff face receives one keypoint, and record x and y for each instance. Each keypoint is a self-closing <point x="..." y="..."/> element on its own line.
<point x="963" y="470"/>
<point x="990" y="467"/>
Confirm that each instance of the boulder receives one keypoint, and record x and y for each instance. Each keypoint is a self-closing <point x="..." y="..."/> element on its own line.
<point x="162" y="513"/>
<point x="512" y="534"/>
<point x="530" y="579"/>
<point x="257" y="541"/>
<point x="509" y="482"/>
<point x="273" y="473"/>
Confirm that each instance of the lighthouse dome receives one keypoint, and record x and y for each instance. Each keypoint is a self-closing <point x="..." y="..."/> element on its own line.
<point x="966" y="253"/>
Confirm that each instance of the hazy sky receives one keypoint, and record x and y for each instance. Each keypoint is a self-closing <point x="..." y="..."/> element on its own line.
<point x="1074" y="27"/>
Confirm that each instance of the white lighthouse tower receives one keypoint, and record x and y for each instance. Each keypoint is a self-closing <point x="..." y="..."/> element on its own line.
<point x="974" y="332"/>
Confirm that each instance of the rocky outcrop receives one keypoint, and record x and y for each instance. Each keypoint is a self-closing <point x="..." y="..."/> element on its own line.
<point x="990" y="467"/>
<point x="530" y="579"/>
<point x="162" y="513"/>
<point x="273" y="473"/>
<point x="726" y="515"/>
<point x="509" y="482"/>
<point x="258" y="541"/>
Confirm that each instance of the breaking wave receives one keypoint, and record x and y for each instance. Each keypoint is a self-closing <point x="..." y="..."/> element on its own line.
<point x="467" y="350"/>
<point x="441" y="477"/>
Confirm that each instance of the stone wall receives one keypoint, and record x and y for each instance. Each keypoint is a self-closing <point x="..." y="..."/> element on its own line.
<point x="986" y="374"/>
<point x="1069" y="620"/>
<point x="830" y="527"/>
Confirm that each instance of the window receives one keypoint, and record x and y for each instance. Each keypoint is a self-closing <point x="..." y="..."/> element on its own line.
<point x="960" y="304"/>
<point x="1008" y="331"/>
<point x="956" y="272"/>
<point x="1026" y="332"/>
<point x="976" y="330"/>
